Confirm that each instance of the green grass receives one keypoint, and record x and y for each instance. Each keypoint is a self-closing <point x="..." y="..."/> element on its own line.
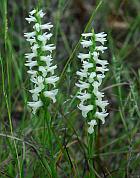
<point x="25" y="148"/>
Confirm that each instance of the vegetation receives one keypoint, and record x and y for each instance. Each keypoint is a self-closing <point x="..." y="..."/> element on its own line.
<point x="28" y="148"/>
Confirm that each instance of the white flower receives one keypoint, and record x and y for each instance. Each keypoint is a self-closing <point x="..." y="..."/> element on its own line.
<point x="46" y="26"/>
<point x="51" y="69"/>
<point x="29" y="35"/>
<point x="32" y="72"/>
<point x="96" y="91"/>
<point x="84" y="96"/>
<point x="31" y="19"/>
<point x="102" y="62"/>
<point x="92" y="123"/>
<point x="82" y="85"/>
<point x="100" y="37"/>
<point x="87" y="35"/>
<point x="86" y="43"/>
<point x="38" y="80"/>
<point x="82" y="73"/>
<point x="41" y="14"/>
<point x="101" y="69"/>
<point x="100" y="77"/>
<point x="44" y="37"/>
<point x="52" y="80"/>
<point x="43" y="70"/>
<point x="101" y="104"/>
<point x="31" y="40"/>
<point x="87" y="65"/>
<point x="51" y="94"/>
<point x="83" y="56"/>
<point x="49" y="47"/>
<point x="95" y="55"/>
<point x="92" y="76"/>
<point x="32" y="12"/>
<point x="101" y="48"/>
<point x="47" y="59"/>
<point x="101" y="116"/>
<point x="35" y="96"/>
<point x="31" y="64"/>
<point x="37" y="89"/>
<point x="29" y="56"/>
<point x="35" y="105"/>
<point x="85" y="109"/>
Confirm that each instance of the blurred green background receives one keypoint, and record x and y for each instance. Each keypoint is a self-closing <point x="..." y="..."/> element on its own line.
<point x="119" y="139"/>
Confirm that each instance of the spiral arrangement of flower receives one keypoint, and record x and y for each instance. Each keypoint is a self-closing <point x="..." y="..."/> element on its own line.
<point x="90" y="78"/>
<point x="40" y="62"/>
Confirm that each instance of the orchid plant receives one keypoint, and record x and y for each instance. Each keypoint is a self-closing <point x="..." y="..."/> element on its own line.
<point x="43" y="77"/>
<point x="90" y="78"/>
<point x="40" y="62"/>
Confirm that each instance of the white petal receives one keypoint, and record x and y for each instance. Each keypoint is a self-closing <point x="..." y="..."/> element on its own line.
<point x="35" y="105"/>
<point x="82" y="73"/>
<point x="101" y="116"/>
<point x="101" y="40"/>
<point x="37" y="27"/>
<point x="34" y="48"/>
<point x="83" y="56"/>
<point x="52" y="80"/>
<point x="49" y="47"/>
<point x="85" y="109"/>
<point x="29" y="34"/>
<point x="87" y="35"/>
<point x="90" y="130"/>
<point x="101" y="69"/>
<point x="32" y="12"/>
<point x="44" y="37"/>
<point x="91" y="77"/>
<point x="31" y="64"/>
<point x="46" y="26"/>
<point x="41" y="14"/>
<point x="31" y="19"/>
<point x="51" y="69"/>
<point x="82" y="85"/>
<point x="87" y="65"/>
<point x="84" y="96"/>
<point x="31" y="40"/>
<point x="101" y="35"/>
<point x="32" y="72"/>
<point x="102" y="62"/>
<point x="86" y="43"/>
<point x="43" y="70"/>
<point x="35" y="97"/>
<point x="40" y="79"/>
<point x="29" y="56"/>
<point x="37" y="90"/>
<point x="101" y="48"/>
<point x="51" y="94"/>
<point x="101" y="104"/>
<point x="92" y="123"/>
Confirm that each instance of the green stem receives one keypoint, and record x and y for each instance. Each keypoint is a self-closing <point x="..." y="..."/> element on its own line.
<point x="50" y="143"/>
<point x="10" y="119"/>
<point x="91" y="139"/>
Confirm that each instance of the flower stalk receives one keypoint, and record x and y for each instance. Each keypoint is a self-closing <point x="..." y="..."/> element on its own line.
<point x="40" y="62"/>
<point x="91" y="76"/>
<point x="90" y="79"/>
<point x="42" y="75"/>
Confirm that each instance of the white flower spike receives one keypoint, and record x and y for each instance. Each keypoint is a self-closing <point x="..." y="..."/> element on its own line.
<point x="39" y="61"/>
<point x="90" y="79"/>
